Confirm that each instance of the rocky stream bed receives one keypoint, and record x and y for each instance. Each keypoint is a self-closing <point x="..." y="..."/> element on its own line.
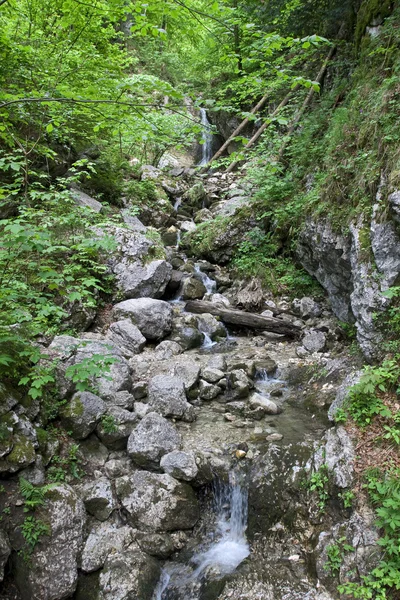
<point x="195" y="451"/>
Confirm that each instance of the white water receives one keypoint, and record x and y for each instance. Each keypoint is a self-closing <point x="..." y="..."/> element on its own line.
<point x="209" y="284"/>
<point x="177" y="204"/>
<point x="178" y="239"/>
<point x="207" y="139"/>
<point x="207" y="341"/>
<point x="225" y="553"/>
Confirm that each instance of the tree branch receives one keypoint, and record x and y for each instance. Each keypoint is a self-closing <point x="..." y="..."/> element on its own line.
<point x="203" y="14"/>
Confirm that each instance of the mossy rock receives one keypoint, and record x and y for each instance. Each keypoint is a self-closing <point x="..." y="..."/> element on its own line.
<point x="369" y="11"/>
<point x="22" y="455"/>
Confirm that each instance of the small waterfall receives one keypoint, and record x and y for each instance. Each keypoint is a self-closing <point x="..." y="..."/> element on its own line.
<point x="207" y="139"/>
<point x="208" y="283"/>
<point x="178" y="239"/>
<point x="219" y="558"/>
<point x="177" y="204"/>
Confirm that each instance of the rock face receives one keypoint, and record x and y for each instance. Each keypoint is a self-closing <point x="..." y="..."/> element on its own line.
<point x="104" y="539"/>
<point x="338" y="455"/>
<point x="152" y="438"/>
<point x="5" y="552"/>
<point x="157" y="502"/>
<point x="166" y="396"/>
<point x="52" y="573"/>
<point x="354" y="268"/>
<point x="99" y="498"/>
<point x="129" y="575"/>
<point x="152" y="317"/>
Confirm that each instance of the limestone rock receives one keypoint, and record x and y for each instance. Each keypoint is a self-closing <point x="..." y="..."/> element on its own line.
<point x="212" y="375"/>
<point x="52" y="571"/>
<point x="161" y="545"/>
<point x="210" y="325"/>
<point x="99" y="498"/>
<point x="167" y="349"/>
<point x="152" y="317"/>
<point x="127" y="337"/>
<point x="104" y="539"/>
<point x="181" y="465"/>
<point x="314" y="341"/>
<point x="166" y="396"/>
<point x="158" y="502"/>
<point x="268" y="406"/>
<point x="153" y="437"/>
<point x="129" y="575"/>
<point x="143" y="281"/>
<point x="82" y="413"/>
<point x="208" y="391"/>
<point x="193" y="289"/>
<point x="338" y="455"/>
<point x="188" y="370"/>
<point x="115" y="433"/>
<point x="306" y="307"/>
<point x="82" y="199"/>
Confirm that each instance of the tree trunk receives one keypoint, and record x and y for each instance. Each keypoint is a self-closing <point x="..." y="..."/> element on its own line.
<point x="244" y="319"/>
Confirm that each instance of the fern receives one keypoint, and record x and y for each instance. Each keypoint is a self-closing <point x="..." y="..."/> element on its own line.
<point x="33" y="495"/>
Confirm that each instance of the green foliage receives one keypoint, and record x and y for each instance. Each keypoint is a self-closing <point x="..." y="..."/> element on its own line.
<point x="84" y="373"/>
<point x="33" y="530"/>
<point x="318" y="483"/>
<point x="33" y="495"/>
<point x="384" y="492"/>
<point x="109" y="424"/>
<point x="335" y="554"/>
<point x="62" y="468"/>
<point x="348" y="498"/>
<point x="364" y="402"/>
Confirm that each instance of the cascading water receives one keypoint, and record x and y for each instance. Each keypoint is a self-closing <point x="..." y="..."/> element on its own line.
<point x="219" y="558"/>
<point x="177" y="204"/>
<point x="209" y="284"/>
<point x="207" y="139"/>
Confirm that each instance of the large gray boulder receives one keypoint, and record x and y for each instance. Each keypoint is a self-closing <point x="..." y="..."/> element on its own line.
<point x="104" y="538"/>
<point x="116" y="427"/>
<point x="314" y="341"/>
<point x="338" y="455"/>
<point x="193" y="289"/>
<point x="85" y="201"/>
<point x="52" y="571"/>
<point x="157" y="502"/>
<point x="127" y="337"/>
<point x="129" y="575"/>
<point x="153" y="437"/>
<point x="81" y="415"/>
<point x="181" y="465"/>
<point x="152" y="317"/>
<point x="166" y="396"/>
<point x="143" y="281"/>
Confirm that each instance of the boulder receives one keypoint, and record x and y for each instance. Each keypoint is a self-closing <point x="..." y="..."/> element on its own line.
<point x="82" y="199"/>
<point x="188" y="370"/>
<point x="210" y="325"/>
<point x="181" y="465"/>
<point x="338" y="455"/>
<point x="81" y="415"/>
<point x="157" y="502"/>
<point x="104" y="539"/>
<point x="168" y="349"/>
<point x="268" y="406"/>
<point x="129" y="575"/>
<point x="98" y="498"/>
<point x="193" y="289"/>
<point x="52" y="571"/>
<point x="314" y="341"/>
<point x="342" y="393"/>
<point x="161" y="545"/>
<point x="143" y="281"/>
<point x="208" y="391"/>
<point x="212" y="375"/>
<point x="127" y="337"/>
<point x="152" y="317"/>
<point x="166" y="396"/>
<point x="306" y="307"/>
<point x="153" y="437"/>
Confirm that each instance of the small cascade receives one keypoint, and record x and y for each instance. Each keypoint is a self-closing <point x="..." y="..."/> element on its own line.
<point x="209" y="284"/>
<point x="177" y="204"/>
<point x="219" y="556"/>
<point x="207" y="139"/>
<point x="207" y="341"/>
<point x="178" y="239"/>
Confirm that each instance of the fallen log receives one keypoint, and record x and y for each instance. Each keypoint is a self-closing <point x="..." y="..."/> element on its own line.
<point x="244" y="319"/>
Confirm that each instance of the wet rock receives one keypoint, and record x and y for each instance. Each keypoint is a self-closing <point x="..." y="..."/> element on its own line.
<point x="52" y="573"/>
<point x="342" y="393"/>
<point x="238" y="385"/>
<point x="166" y="396"/>
<point x="314" y="341"/>
<point x="266" y="366"/>
<point x="268" y="406"/>
<point x="208" y="391"/>
<point x="127" y="337"/>
<point x="157" y="502"/>
<point x="162" y="545"/>
<point x="181" y="465"/>
<point x="130" y="574"/>
<point x="153" y="437"/>
<point x="5" y="551"/>
<point x="104" y="539"/>
<point x="98" y="498"/>
<point x="81" y="415"/>
<point x="188" y="337"/>
<point x="152" y="317"/>
<point x="115" y="431"/>
<point x="338" y="455"/>
<point x="209" y="324"/>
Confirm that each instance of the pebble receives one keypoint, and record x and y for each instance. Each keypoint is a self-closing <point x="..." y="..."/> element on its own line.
<point x="240" y="453"/>
<point x="274" y="437"/>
